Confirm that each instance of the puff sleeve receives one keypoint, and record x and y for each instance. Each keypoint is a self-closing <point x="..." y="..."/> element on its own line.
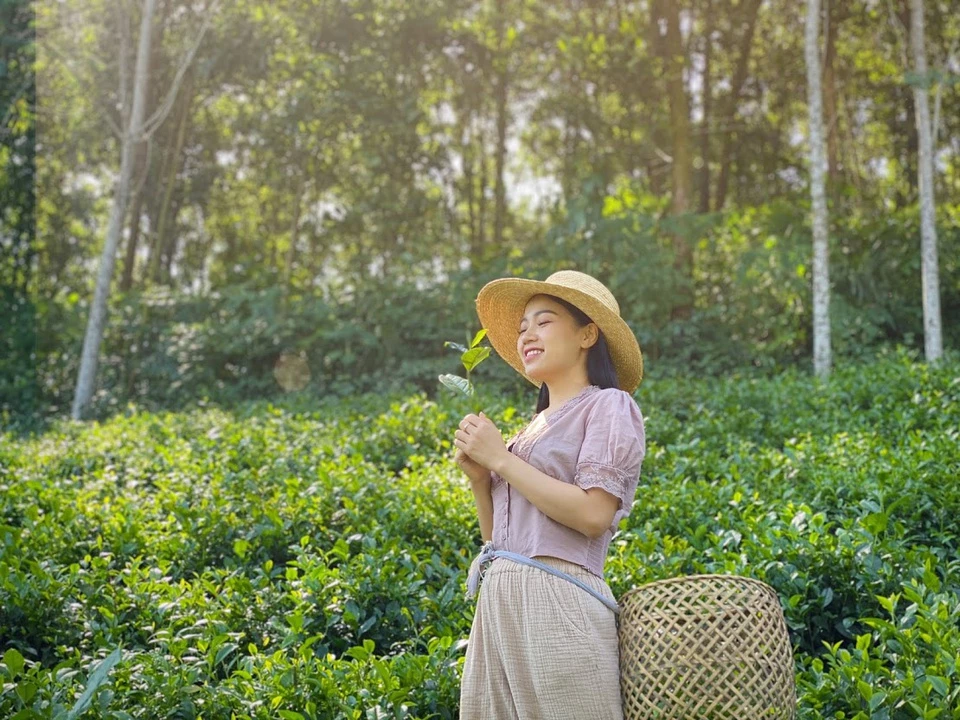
<point x="613" y="449"/>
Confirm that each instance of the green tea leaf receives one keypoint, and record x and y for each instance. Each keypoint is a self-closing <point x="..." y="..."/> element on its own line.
<point x="456" y="346"/>
<point x="14" y="662"/>
<point x="474" y="357"/>
<point x="97" y="678"/>
<point x="478" y="337"/>
<point x="455" y="382"/>
<point x="939" y="684"/>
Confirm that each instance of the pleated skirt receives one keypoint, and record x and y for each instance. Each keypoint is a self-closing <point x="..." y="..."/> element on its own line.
<point x="541" y="648"/>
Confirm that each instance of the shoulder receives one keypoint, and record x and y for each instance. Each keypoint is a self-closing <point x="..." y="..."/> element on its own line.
<point x="617" y="408"/>
<point x="613" y="427"/>
<point x="613" y="400"/>
<point x="614" y="406"/>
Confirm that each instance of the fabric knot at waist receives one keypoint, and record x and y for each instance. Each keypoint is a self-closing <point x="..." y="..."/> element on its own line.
<point x="488" y="552"/>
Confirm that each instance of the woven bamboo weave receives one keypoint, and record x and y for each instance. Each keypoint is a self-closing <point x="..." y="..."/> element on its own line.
<point x="705" y="646"/>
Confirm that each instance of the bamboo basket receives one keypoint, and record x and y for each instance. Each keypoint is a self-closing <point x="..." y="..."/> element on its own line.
<point x="705" y="646"/>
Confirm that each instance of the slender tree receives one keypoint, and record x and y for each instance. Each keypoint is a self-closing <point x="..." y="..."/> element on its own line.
<point x="821" y="268"/>
<point x="131" y="134"/>
<point x="707" y="94"/>
<point x="682" y="148"/>
<point x="135" y="130"/>
<point x="501" y="62"/>
<point x="932" y="337"/>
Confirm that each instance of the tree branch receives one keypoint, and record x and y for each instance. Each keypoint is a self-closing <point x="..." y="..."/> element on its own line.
<point x="124" y="23"/>
<point x="938" y="96"/>
<point x="151" y="125"/>
<point x="901" y="32"/>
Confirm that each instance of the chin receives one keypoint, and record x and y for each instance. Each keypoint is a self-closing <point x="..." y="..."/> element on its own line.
<point x="536" y="376"/>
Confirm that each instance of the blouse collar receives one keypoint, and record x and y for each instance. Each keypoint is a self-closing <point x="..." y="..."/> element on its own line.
<point x="565" y="407"/>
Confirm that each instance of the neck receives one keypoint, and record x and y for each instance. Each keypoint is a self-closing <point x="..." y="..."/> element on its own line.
<point x="562" y="391"/>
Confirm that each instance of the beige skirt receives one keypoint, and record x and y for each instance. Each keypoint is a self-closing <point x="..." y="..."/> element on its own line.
<point x="540" y="647"/>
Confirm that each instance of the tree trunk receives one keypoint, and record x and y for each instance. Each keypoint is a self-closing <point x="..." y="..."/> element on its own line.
<point x="682" y="166"/>
<point x="294" y="234"/>
<point x="853" y="165"/>
<point x="500" y="192"/>
<point x="830" y="92"/>
<point x="932" y="339"/>
<point x="821" y="277"/>
<point x="482" y="190"/>
<point x="469" y="182"/>
<point x="679" y="113"/>
<point x="905" y="130"/>
<point x="171" y="247"/>
<point x="730" y="108"/>
<point x="98" y="308"/>
<point x="707" y="110"/>
<point x="127" y="282"/>
<point x="167" y="218"/>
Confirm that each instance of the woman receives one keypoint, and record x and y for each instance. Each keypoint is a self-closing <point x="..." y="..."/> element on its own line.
<point x="543" y="645"/>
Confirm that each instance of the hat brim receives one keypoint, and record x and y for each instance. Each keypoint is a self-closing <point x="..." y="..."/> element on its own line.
<point x="500" y="305"/>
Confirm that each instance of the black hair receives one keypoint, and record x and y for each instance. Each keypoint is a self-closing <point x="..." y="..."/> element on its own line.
<point x="600" y="368"/>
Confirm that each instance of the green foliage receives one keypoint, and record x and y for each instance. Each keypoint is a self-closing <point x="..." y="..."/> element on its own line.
<point x="168" y="350"/>
<point x="752" y="284"/>
<point x="904" y="666"/>
<point x="19" y="383"/>
<point x="470" y="358"/>
<point x="308" y="559"/>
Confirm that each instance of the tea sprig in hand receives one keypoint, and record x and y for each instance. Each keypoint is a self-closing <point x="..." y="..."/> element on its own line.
<point x="470" y="357"/>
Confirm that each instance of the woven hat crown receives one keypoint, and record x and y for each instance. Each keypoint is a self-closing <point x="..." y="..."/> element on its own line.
<point x="587" y="284"/>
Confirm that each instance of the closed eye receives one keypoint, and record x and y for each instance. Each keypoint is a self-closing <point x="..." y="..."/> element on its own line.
<point x="545" y="322"/>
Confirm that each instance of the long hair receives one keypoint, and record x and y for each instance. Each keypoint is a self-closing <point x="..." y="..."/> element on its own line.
<point x="600" y="368"/>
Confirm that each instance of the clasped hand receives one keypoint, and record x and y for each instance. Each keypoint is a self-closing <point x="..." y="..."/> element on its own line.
<point x="480" y="440"/>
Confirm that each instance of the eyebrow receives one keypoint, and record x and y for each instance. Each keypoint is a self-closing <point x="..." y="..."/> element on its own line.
<point x="538" y="312"/>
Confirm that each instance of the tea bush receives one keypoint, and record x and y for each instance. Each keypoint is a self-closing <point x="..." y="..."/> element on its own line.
<point x="308" y="559"/>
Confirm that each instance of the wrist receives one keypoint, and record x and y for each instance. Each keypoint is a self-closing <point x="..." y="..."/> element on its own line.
<point x="501" y="464"/>
<point x="481" y="480"/>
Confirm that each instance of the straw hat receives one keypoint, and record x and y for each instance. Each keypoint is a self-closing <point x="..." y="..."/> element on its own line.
<point x="500" y="306"/>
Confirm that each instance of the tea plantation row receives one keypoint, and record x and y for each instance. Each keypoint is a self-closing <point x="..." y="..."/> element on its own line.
<point x="309" y="561"/>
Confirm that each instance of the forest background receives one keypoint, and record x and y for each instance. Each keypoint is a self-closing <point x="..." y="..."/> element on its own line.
<point x="325" y="186"/>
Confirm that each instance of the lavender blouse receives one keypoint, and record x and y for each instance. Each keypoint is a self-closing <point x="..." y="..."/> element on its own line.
<point x="595" y="439"/>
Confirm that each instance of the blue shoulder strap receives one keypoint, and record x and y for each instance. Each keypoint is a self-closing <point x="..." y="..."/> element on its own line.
<point x="487" y="553"/>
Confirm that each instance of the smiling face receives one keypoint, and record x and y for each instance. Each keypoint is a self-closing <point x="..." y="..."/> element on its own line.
<point x="548" y="327"/>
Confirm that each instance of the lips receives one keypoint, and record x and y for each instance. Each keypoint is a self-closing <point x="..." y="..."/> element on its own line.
<point x="528" y="358"/>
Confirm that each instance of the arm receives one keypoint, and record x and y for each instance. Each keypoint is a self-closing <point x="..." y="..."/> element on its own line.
<point x="589" y="512"/>
<point x="484" y="498"/>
